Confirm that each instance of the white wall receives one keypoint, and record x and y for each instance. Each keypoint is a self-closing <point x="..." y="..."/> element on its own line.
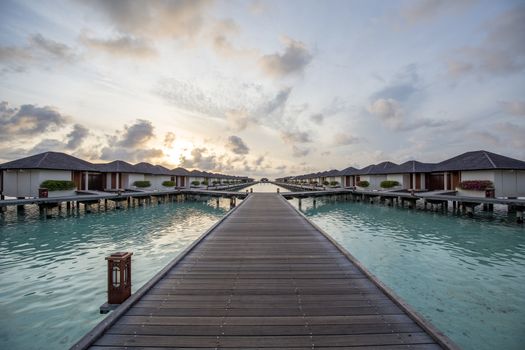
<point x="375" y="181"/>
<point x="193" y="178"/>
<point x="403" y="179"/>
<point x="131" y="178"/>
<point x="507" y="183"/>
<point x="25" y="183"/>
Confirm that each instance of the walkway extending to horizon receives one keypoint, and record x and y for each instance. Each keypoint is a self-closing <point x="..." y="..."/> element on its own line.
<point x="264" y="277"/>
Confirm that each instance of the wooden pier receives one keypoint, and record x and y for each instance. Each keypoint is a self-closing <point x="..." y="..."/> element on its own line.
<point x="264" y="277"/>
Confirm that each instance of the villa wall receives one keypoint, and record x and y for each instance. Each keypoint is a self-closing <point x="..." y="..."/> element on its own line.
<point x="131" y="178"/>
<point x="374" y="180"/>
<point x="25" y="183"/>
<point x="507" y="183"/>
<point x="192" y="178"/>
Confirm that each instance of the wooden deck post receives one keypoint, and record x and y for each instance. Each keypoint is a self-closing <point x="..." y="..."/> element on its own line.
<point x="119" y="280"/>
<point x="519" y="216"/>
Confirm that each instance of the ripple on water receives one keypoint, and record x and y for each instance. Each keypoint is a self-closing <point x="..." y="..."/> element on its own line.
<point x="52" y="272"/>
<point x="465" y="275"/>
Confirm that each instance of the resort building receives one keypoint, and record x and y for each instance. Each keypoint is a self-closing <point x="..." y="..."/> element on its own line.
<point x="410" y="175"/>
<point x="468" y="173"/>
<point x="119" y="175"/>
<point x="154" y="174"/>
<point x="348" y="177"/>
<point x="473" y="174"/>
<point x="373" y="174"/>
<point x="23" y="177"/>
<point x="180" y="177"/>
<point x="196" y="176"/>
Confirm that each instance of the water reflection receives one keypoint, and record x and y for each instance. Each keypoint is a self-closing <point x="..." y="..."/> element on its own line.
<point x="466" y="275"/>
<point x="52" y="271"/>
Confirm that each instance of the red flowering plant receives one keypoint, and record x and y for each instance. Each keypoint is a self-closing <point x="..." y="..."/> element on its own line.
<point x="476" y="185"/>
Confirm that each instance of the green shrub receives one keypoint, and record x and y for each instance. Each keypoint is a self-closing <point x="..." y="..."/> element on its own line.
<point x="389" y="184"/>
<point x="195" y="183"/>
<point x="58" y="185"/>
<point x="215" y="182"/>
<point x="142" y="184"/>
<point x="326" y="183"/>
<point x="205" y="183"/>
<point x="168" y="184"/>
<point x="334" y="183"/>
<point x="363" y="183"/>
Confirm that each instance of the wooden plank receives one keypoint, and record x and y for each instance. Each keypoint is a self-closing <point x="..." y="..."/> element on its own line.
<point x="265" y="278"/>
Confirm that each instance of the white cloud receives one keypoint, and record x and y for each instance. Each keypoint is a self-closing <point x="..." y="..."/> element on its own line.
<point x="293" y="61"/>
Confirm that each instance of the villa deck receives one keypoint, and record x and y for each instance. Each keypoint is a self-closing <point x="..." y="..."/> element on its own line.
<point x="264" y="277"/>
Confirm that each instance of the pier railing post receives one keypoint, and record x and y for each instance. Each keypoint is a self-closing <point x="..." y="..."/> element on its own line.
<point x="119" y="280"/>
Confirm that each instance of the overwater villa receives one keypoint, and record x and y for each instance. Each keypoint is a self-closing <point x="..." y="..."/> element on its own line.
<point x="469" y="174"/>
<point x="24" y="177"/>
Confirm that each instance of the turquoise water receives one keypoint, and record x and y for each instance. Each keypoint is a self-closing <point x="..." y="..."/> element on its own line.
<point x="465" y="275"/>
<point x="53" y="272"/>
<point x="264" y="187"/>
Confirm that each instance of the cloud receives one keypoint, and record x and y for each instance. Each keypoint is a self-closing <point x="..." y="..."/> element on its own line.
<point x="326" y="153"/>
<point x="38" y="49"/>
<point x="237" y="145"/>
<point x="123" y="46"/>
<point x="46" y="145"/>
<point x="137" y="134"/>
<point x="404" y="84"/>
<point x="515" y="108"/>
<point x="502" y="52"/>
<point x="389" y="111"/>
<point x="342" y="139"/>
<point x="28" y="120"/>
<point x="317" y="118"/>
<point x="238" y="119"/>
<point x="132" y="144"/>
<point x="292" y="137"/>
<point x="131" y="154"/>
<point x="156" y="18"/>
<point x="277" y="104"/>
<point x="259" y="160"/>
<point x="76" y="136"/>
<point x="53" y="48"/>
<point x="199" y="159"/>
<point x="425" y="10"/>
<point x="513" y="135"/>
<point x="293" y="61"/>
<point x="298" y="152"/>
<point x="169" y="138"/>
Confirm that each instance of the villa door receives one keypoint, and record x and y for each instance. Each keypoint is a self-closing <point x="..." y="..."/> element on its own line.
<point x="77" y="178"/>
<point x="436" y="182"/>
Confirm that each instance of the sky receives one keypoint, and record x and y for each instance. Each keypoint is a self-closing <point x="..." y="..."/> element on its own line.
<point x="262" y="88"/>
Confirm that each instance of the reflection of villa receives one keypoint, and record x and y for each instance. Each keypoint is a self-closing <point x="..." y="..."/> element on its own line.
<point x="23" y="177"/>
<point x="470" y="174"/>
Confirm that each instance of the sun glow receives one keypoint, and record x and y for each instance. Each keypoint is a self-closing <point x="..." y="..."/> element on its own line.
<point x="178" y="149"/>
